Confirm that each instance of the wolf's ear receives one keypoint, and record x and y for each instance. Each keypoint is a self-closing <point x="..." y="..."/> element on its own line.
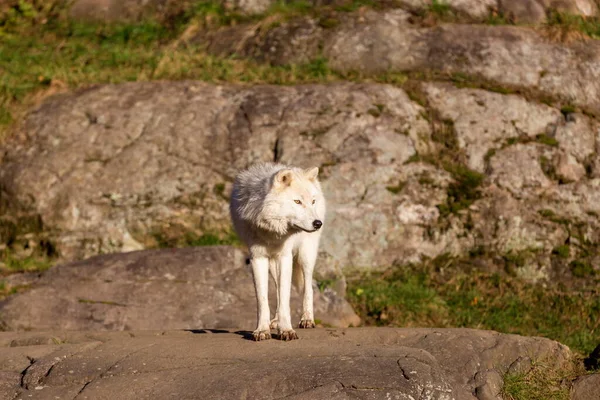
<point x="283" y="178"/>
<point x="311" y="173"/>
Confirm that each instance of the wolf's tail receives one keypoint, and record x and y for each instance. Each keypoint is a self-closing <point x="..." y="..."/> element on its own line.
<point x="298" y="278"/>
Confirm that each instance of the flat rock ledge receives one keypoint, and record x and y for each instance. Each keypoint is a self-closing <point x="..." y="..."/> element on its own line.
<point x="189" y="288"/>
<point x="357" y="363"/>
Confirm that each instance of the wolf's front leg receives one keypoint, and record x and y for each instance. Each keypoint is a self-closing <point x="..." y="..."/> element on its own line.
<point x="274" y="270"/>
<point x="284" y="328"/>
<point x="260" y="273"/>
<point x="307" y="257"/>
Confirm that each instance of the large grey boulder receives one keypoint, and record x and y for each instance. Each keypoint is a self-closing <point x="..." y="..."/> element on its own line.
<point x="193" y="288"/>
<point x="586" y="387"/>
<point x="522" y="11"/>
<point x="122" y="167"/>
<point x="364" y="363"/>
<point x="111" y="168"/>
<point x="514" y="57"/>
<point x="485" y="121"/>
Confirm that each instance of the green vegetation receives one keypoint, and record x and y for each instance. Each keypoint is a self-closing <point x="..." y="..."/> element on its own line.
<point x="9" y="263"/>
<point x="562" y="251"/>
<point x="541" y="382"/>
<point x="463" y="191"/>
<point x="440" y="8"/>
<point x="323" y="284"/>
<point x="438" y="294"/>
<point x="42" y="53"/>
<point x="565" y="26"/>
<point x="209" y="239"/>
<point x="547" y="140"/>
<point x="180" y="238"/>
<point x="581" y="269"/>
<point x="7" y="290"/>
<point x="396" y="189"/>
<point x="567" y="109"/>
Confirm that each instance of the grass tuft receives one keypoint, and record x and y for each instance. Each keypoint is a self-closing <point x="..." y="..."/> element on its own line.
<point x="541" y="382"/>
<point x="463" y="191"/>
<point x="565" y="26"/>
<point x="437" y="294"/>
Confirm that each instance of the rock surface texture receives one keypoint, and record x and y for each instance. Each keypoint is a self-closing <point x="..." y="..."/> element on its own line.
<point x="363" y="363"/>
<point x="586" y="387"/>
<point x="207" y="287"/>
<point x="127" y="167"/>
<point x="373" y="42"/>
<point x="523" y="11"/>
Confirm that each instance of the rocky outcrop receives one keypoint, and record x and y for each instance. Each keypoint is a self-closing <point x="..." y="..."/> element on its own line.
<point x="206" y="287"/>
<point x="126" y="167"/>
<point x="505" y="57"/>
<point x="112" y="168"/>
<point x="369" y="363"/>
<point x="521" y="11"/>
<point x="586" y="387"/>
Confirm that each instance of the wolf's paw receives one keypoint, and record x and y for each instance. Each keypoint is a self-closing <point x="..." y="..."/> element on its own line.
<point x="261" y="335"/>
<point x="306" y="324"/>
<point x="288" y="335"/>
<point x="274" y="323"/>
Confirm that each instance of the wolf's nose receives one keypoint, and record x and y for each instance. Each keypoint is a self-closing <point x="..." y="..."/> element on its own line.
<point x="317" y="224"/>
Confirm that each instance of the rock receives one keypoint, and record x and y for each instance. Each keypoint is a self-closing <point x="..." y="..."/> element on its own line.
<point x="249" y="6"/>
<point x="491" y="386"/>
<point x="577" y="201"/>
<point x="484" y="121"/>
<point x="523" y="11"/>
<point x="586" y="387"/>
<point x="568" y="169"/>
<point x="509" y="57"/>
<point x="114" y="11"/>
<point x="204" y="287"/>
<point x="585" y="8"/>
<point x="517" y="168"/>
<point x="373" y="363"/>
<point x="124" y="167"/>
<point x="475" y="9"/>
<point x="578" y="136"/>
<point x="116" y="167"/>
<point x="520" y="11"/>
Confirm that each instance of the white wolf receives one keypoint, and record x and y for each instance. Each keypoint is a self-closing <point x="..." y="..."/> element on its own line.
<point x="278" y="211"/>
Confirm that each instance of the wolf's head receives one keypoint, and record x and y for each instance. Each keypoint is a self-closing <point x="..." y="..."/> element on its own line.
<point x="295" y="201"/>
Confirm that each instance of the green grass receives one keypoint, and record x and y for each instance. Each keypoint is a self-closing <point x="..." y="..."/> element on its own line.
<point x="181" y="238"/>
<point x="34" y="263"/>
<point x="563" y="251"/>
<point x="582" y="269"/>
<point x="541" y="382"/>
<point x="396" y="189"/>
<point x="209" y="239"/>
<point x="463" y="191"/>
<point x="11" y="264"/>
<point x="564" y="25"/>
<point x="38" y="59"/>
<point x="41" y="52"/>
<point x="440" y="8"/>
<point x="547" y="140"/>
<point x="420" y="296"/>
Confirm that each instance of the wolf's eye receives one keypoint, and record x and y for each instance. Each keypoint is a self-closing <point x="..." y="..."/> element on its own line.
<point x="297" y="202"/>
<point x="313" y="201"/>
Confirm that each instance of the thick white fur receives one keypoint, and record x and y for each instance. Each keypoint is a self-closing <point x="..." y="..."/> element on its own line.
<point x="280" y="236"/>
